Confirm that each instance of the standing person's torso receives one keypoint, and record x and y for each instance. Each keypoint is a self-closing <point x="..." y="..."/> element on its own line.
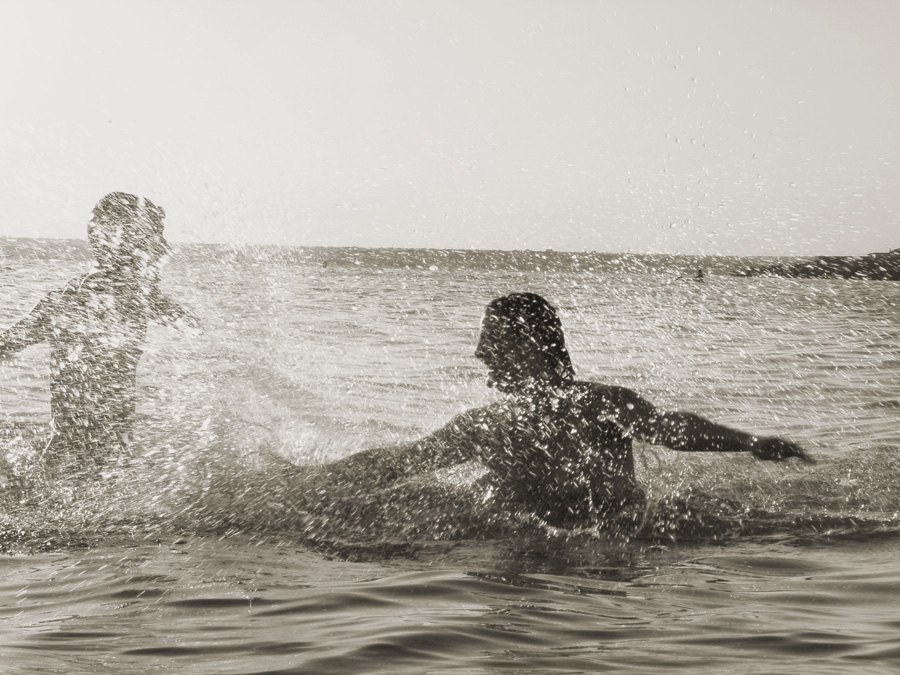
<point x="97" y="331"/>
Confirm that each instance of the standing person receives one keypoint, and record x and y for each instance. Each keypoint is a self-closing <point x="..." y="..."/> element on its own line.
<point x="96" y="326"/>
<point x="556" y="447"/>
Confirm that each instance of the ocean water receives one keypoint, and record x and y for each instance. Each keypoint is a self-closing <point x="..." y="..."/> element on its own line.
<point x="202" y="551"/>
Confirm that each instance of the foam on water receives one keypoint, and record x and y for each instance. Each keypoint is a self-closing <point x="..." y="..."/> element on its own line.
<point x="222" y="478"/>
<point x="215" y="546"/>
<point x="299" y="364"/>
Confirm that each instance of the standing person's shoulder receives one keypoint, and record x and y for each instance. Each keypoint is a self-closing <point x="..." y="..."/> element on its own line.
<point x="79" y="284"/>
<point x="55" y="299"/>
<point x="73" y="294"/>
<point x="51" y="312"/>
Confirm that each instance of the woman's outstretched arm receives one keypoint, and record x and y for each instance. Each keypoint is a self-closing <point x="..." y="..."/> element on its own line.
<point x="689" y="432"/>
<point x="458" y="441"/>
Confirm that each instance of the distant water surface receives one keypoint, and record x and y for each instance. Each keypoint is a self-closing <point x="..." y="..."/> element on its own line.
<point x="195" y="555"/>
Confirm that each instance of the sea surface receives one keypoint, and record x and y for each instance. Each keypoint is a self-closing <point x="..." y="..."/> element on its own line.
<point x="202" y="552"/>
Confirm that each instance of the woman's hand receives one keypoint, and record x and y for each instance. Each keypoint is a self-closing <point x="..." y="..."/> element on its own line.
<point x="774" y="448"/>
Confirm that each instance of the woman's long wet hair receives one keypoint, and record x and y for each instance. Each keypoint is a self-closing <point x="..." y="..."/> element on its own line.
<point x="534" y="325"/>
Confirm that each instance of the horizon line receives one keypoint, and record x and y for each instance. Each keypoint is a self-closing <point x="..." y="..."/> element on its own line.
<point x="240" y="245"/>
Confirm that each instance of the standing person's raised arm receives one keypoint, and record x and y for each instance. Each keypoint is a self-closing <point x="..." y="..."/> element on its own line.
<point x="28" y="331"/>
<point x="689" y="432"/>
<point x="168" y="312"/>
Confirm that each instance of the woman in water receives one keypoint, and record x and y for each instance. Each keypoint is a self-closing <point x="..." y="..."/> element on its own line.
<point x="556" y="447"/>
<point x="96" y="326"/>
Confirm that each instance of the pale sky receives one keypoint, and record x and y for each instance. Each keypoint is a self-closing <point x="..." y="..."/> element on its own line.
<point x="715" y="127"/>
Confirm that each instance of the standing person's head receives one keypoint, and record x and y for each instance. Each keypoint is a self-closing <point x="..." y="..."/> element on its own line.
<point x="522" y="344"/>
<point x="126" y="236"/>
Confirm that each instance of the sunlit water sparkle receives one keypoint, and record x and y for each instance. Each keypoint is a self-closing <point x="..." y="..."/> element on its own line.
<point x="200" y="553"/>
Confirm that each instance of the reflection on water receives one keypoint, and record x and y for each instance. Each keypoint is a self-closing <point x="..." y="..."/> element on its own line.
<point x="210" y="606"/>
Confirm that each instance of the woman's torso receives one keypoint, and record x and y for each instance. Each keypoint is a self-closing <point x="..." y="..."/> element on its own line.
<point x="563" y="456"/>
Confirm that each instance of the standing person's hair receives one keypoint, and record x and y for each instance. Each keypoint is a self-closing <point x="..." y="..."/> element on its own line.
<point x="140" y="220"/>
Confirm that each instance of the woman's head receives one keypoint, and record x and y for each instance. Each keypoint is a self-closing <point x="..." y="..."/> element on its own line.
<point x="522" y="344"/>
<point x="126" y="233"/>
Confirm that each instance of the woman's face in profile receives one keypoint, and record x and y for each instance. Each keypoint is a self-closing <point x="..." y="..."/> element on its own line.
<point x="510" y="368"/>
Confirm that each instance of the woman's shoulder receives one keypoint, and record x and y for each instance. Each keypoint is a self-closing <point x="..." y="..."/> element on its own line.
<point x="604" y="395"/>
<point x="479" y="425"/>
<point x="486" y="414"/>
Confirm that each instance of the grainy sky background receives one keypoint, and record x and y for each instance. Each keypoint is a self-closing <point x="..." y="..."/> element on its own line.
<point x="696" y="127"/>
